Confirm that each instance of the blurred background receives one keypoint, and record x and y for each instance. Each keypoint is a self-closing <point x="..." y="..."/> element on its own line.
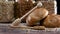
<point x="13" y="9"/>
<point x="58" y="6"/>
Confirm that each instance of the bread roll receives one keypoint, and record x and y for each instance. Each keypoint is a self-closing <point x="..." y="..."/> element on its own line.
<point x="52" y="21"/>
<point x="37" y="15"/>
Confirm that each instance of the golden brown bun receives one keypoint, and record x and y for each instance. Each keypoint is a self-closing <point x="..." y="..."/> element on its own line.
<point x="37" y="15"/>
<point x="52" y="21"/>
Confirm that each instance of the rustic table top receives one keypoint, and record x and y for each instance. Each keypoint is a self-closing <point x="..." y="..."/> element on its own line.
<point x="5" y="29"/>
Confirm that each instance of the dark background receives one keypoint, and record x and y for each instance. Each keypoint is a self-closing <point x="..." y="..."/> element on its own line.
<point x="58" y="7"/>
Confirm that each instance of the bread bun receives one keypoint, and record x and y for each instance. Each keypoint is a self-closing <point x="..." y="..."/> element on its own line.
<point x="52" y="21"/>
<point x="37" y="15"/>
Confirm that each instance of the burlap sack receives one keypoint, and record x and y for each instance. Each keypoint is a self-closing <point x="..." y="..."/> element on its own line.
<point x="22" y="7"/>
<point x="6" y="11"/>
<point x="50" y="6"/>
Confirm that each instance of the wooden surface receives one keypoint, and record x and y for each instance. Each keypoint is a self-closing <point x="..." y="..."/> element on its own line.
<point x="5" y="29"/>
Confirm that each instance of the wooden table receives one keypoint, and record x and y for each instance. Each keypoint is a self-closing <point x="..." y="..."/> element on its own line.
<point x="5" y="29"/>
